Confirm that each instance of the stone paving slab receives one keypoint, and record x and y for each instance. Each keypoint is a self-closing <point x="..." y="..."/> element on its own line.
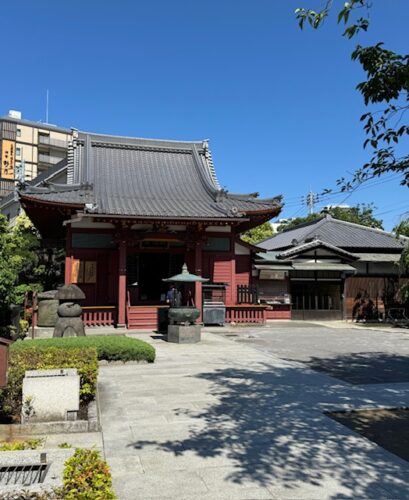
<point x="225" y="419"/>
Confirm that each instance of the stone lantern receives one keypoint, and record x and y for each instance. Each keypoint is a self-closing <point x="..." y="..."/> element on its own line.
<point x="182" y="328"/>
<point x="69" y="322"/>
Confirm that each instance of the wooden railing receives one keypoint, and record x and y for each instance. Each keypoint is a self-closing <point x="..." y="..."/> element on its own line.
<point x="246" y="314"/>
<point x="99" y="315"/>
<point x="247" y="294"/>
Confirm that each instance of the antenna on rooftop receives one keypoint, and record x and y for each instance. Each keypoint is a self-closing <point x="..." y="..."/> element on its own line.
<point x="46" y="106"/>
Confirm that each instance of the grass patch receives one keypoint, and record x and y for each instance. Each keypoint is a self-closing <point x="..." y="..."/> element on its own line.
<point x="109" y="348"/>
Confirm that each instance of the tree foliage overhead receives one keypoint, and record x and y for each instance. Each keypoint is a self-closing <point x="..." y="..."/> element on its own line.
<point x="360" y="214"/>
<point x="387" y="83"/>
<point x="258" y="233"/>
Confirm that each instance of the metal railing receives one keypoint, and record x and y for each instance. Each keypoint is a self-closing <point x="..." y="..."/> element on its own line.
<point x="51" y="160"/>
<point x="57" y="143"/>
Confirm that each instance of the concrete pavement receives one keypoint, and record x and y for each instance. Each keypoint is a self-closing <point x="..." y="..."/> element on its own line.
<point x="229" y="419"/>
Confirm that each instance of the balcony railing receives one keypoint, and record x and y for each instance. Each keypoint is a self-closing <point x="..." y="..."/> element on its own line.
<point x="50" y="160"/>
<point x="6" y="187"/>
<point x="56" y="143"/>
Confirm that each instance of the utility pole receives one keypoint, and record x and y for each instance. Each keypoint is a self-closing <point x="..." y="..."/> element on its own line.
<point x="310" y="200"/>
<point x="46" y="107"/>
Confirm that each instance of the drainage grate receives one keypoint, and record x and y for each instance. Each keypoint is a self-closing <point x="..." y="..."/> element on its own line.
<point x="24" y="475"/>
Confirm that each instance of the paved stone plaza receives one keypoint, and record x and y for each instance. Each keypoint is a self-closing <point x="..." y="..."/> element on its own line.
<point x="231" y="418"/>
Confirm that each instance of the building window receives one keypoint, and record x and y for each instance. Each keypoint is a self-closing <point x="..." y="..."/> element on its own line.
<point x="18" y="151"/>
<point x="18" y="132"/>
<point x="217" y="245"/>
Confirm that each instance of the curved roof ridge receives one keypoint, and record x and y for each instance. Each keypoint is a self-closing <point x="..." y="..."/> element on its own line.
<point x="105" y="137"/>
<point x="313" y="244"/>
<point x="207" y="180"/>
<point x="369" y="228"/>
<point x="210" y="165"/>
<point x="255" y="199"/>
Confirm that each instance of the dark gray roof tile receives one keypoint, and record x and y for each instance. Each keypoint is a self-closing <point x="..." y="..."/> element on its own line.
<point x="346" y="235"/>
<point x="142" y="177"/>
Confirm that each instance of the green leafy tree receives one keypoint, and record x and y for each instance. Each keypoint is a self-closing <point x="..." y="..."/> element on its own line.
<point x="402" y="228"/>
<point x="25" y="265"/>
<point x="359" y="214"/>
<point x="24" y="244"/>
<point x="404" y="269"/>
<point x="297" y="221"/>
<point x="387" y="83"/>
<point x="8" y="273"/>
<point x="258" y="233"/>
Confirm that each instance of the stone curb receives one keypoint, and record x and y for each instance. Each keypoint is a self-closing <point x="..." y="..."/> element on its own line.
<point x="104" y="362"/>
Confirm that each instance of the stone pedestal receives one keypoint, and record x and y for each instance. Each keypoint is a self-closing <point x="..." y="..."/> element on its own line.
<point x="184" y="334"/>
<point x="50" y="395"/>
<point x="47" y="308"/>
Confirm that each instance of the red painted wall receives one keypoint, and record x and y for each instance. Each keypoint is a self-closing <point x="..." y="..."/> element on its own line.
<point x="243" y="269"/>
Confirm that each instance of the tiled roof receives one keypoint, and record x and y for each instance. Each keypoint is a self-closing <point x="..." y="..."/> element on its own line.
<point x="304" y="247"/>
<point x="145" y="177"/>
<point x="48" y="174"/>
<point x="335" y="232"/>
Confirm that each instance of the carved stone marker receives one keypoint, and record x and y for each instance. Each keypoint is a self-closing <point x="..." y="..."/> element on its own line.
<point x="47" y="308"/>
<point x="50" y="395"/>
<point x="69" y="322"/>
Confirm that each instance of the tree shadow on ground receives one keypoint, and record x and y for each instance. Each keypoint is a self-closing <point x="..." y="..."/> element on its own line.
<point x="364" y="367"/>
<point x="262" y="421"/>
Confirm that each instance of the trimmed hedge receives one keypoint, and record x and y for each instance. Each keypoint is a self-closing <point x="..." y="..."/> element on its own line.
<point x="110" y="347"/>
<point x="84" y="359"/>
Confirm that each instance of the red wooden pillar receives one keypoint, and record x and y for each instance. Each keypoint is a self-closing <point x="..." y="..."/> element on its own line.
<point x="68" y="256"/>
<point x="122" y="283"/>
<point x="233" y="288"/>
<point x="198" y="272"/>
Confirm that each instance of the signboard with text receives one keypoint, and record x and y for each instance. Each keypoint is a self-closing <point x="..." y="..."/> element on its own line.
<point x="8" y="151"/>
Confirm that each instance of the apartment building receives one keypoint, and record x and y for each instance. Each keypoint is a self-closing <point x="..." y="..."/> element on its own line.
<point x="28" y="148"/>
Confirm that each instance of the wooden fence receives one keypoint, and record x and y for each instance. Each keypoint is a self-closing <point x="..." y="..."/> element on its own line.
<point x="246" y="314"/>
<point x="99" y="315"/>
<point x="247" y="294"/>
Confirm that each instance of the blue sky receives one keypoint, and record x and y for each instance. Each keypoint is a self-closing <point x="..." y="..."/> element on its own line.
<point x="278" y="105"/>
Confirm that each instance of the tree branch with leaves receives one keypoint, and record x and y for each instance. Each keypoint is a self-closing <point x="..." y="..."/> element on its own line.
<point x="387" y="82"/>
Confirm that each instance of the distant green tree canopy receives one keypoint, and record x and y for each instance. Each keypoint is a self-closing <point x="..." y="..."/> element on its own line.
<point x="402" y="228"/>
<point x="359" y="214"/>
<point x="258" y="233"/>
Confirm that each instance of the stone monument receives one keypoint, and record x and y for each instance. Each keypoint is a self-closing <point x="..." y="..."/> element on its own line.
<point x="69" y="322"/>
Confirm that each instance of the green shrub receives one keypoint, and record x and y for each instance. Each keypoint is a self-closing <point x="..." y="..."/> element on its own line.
<point x="30" y="444"/>
<point x="87" y="477"/>
<point x="110" y="347"/>
<point x="42" y="358"/>
<point x="24" y="325"/>
<point x="65" y="445"/>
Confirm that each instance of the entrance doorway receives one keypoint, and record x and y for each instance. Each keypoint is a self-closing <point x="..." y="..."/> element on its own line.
<point x="316" y="300"/>
<point x="145" y="272"/>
